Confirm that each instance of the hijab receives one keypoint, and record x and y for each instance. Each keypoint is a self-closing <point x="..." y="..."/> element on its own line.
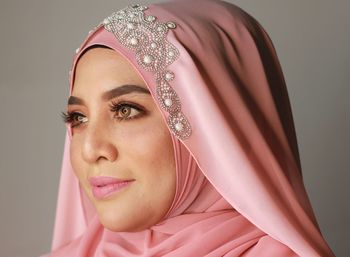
<point x="214" y="74"/>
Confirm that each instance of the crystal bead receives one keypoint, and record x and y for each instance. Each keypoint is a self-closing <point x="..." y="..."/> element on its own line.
<point x="134" y="41"/>
<point x="147" y="59"/>
<point x="130" y="26"/>
<point x="151" y="18"/>
<point x="169" y="76"/>
<point x="77" y="50"/>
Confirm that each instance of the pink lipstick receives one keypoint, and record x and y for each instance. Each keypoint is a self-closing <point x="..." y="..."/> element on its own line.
<point x="103" y="187"/>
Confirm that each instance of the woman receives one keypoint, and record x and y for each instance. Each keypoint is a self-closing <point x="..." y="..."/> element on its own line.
<point x="181" y="141"/>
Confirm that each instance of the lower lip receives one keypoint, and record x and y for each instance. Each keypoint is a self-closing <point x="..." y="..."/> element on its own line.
<point x="108" y="190"/>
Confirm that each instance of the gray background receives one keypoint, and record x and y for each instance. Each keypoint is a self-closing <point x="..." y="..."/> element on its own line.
<point x="38" y="39"/>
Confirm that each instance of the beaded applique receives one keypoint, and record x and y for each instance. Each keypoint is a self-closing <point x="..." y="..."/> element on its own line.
<point x="147" y="38"/>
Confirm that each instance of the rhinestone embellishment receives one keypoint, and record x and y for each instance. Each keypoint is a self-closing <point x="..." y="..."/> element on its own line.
<point x="147" y="38"/>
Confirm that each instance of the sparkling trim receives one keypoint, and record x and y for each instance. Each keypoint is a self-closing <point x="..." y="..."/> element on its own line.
<point x="147" y="38"/>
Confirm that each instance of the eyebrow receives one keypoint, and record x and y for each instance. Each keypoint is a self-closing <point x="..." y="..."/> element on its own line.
<point x="115" y="92"/>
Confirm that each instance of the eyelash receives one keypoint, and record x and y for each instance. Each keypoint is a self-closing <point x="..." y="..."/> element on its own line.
<point x="71" y="117"/>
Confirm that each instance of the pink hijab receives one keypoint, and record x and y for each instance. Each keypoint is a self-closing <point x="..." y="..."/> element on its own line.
<point x="239" y="186"/>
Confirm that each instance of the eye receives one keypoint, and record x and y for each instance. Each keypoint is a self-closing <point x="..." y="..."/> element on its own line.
<point x="122" y="110"/>
<point x="73" y="118"/>
<point x="126" y="110"/>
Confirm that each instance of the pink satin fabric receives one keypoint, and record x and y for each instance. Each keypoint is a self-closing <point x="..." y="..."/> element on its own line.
<point x="239" y="189"/>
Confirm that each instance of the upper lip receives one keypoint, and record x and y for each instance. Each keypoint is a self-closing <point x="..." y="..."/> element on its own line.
<point x="103" y="180"/>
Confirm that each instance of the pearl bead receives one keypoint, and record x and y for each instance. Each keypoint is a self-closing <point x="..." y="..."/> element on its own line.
<point x="147" y="59"/>
<point x="171" y="53"/>
<point x="171" y="25"/>
<point x="106" y="21"/>
<point x="153" y="45"/>
<point x="131" y="15"/>
<point x="77" y="50"/>
<point x="179" y="126"/>
<point x="134" y="41"/>
<point x="168" y="102"/>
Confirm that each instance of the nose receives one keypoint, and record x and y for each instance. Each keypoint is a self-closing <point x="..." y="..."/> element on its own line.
<point x="97" y="144"/>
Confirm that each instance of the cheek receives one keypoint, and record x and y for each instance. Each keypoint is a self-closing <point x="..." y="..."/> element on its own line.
<point x="154" y="168"/>
<point x="156" y="164"/>
<point x="150" y="155"/>
<point x="75" y="158"/>
<point x="152" y="146"/>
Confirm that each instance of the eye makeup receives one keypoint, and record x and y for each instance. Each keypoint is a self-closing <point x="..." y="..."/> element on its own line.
<point x="73" y="118"/>
<point x="117" y="107"/>
<point x="123" y="111"/>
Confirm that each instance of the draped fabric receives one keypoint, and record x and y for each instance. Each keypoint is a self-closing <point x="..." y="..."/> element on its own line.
<point x="239" y="189"/>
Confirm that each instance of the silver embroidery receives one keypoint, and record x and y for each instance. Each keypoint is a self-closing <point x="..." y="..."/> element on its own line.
<point x="147" y="38"/>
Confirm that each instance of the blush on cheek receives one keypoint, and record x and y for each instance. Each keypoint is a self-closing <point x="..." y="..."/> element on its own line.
<point x="152" y="139"/>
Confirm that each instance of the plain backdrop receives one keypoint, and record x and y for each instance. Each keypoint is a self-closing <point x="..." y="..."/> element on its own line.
<point x="38" y="39"/>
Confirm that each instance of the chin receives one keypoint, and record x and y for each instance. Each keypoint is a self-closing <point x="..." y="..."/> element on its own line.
<point x="116" y="223"/>
<point x="117" y="227"/>
<point x="112" y="224"/>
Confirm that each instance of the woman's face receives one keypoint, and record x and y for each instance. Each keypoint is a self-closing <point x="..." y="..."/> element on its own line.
<point x="118" y="132"/>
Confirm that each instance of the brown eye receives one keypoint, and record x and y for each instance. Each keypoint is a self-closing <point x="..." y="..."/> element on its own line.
<point x="126" y="111"/>
<point x="74" y="118"/>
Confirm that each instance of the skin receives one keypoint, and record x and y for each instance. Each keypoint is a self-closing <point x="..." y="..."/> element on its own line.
<point x="102" y="145"/>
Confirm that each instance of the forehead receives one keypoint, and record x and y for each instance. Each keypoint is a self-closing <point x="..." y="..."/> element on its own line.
<point x="100" y="69"/>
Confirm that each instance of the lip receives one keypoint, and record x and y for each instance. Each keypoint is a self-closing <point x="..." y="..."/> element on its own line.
<point x="103" y="187"/>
